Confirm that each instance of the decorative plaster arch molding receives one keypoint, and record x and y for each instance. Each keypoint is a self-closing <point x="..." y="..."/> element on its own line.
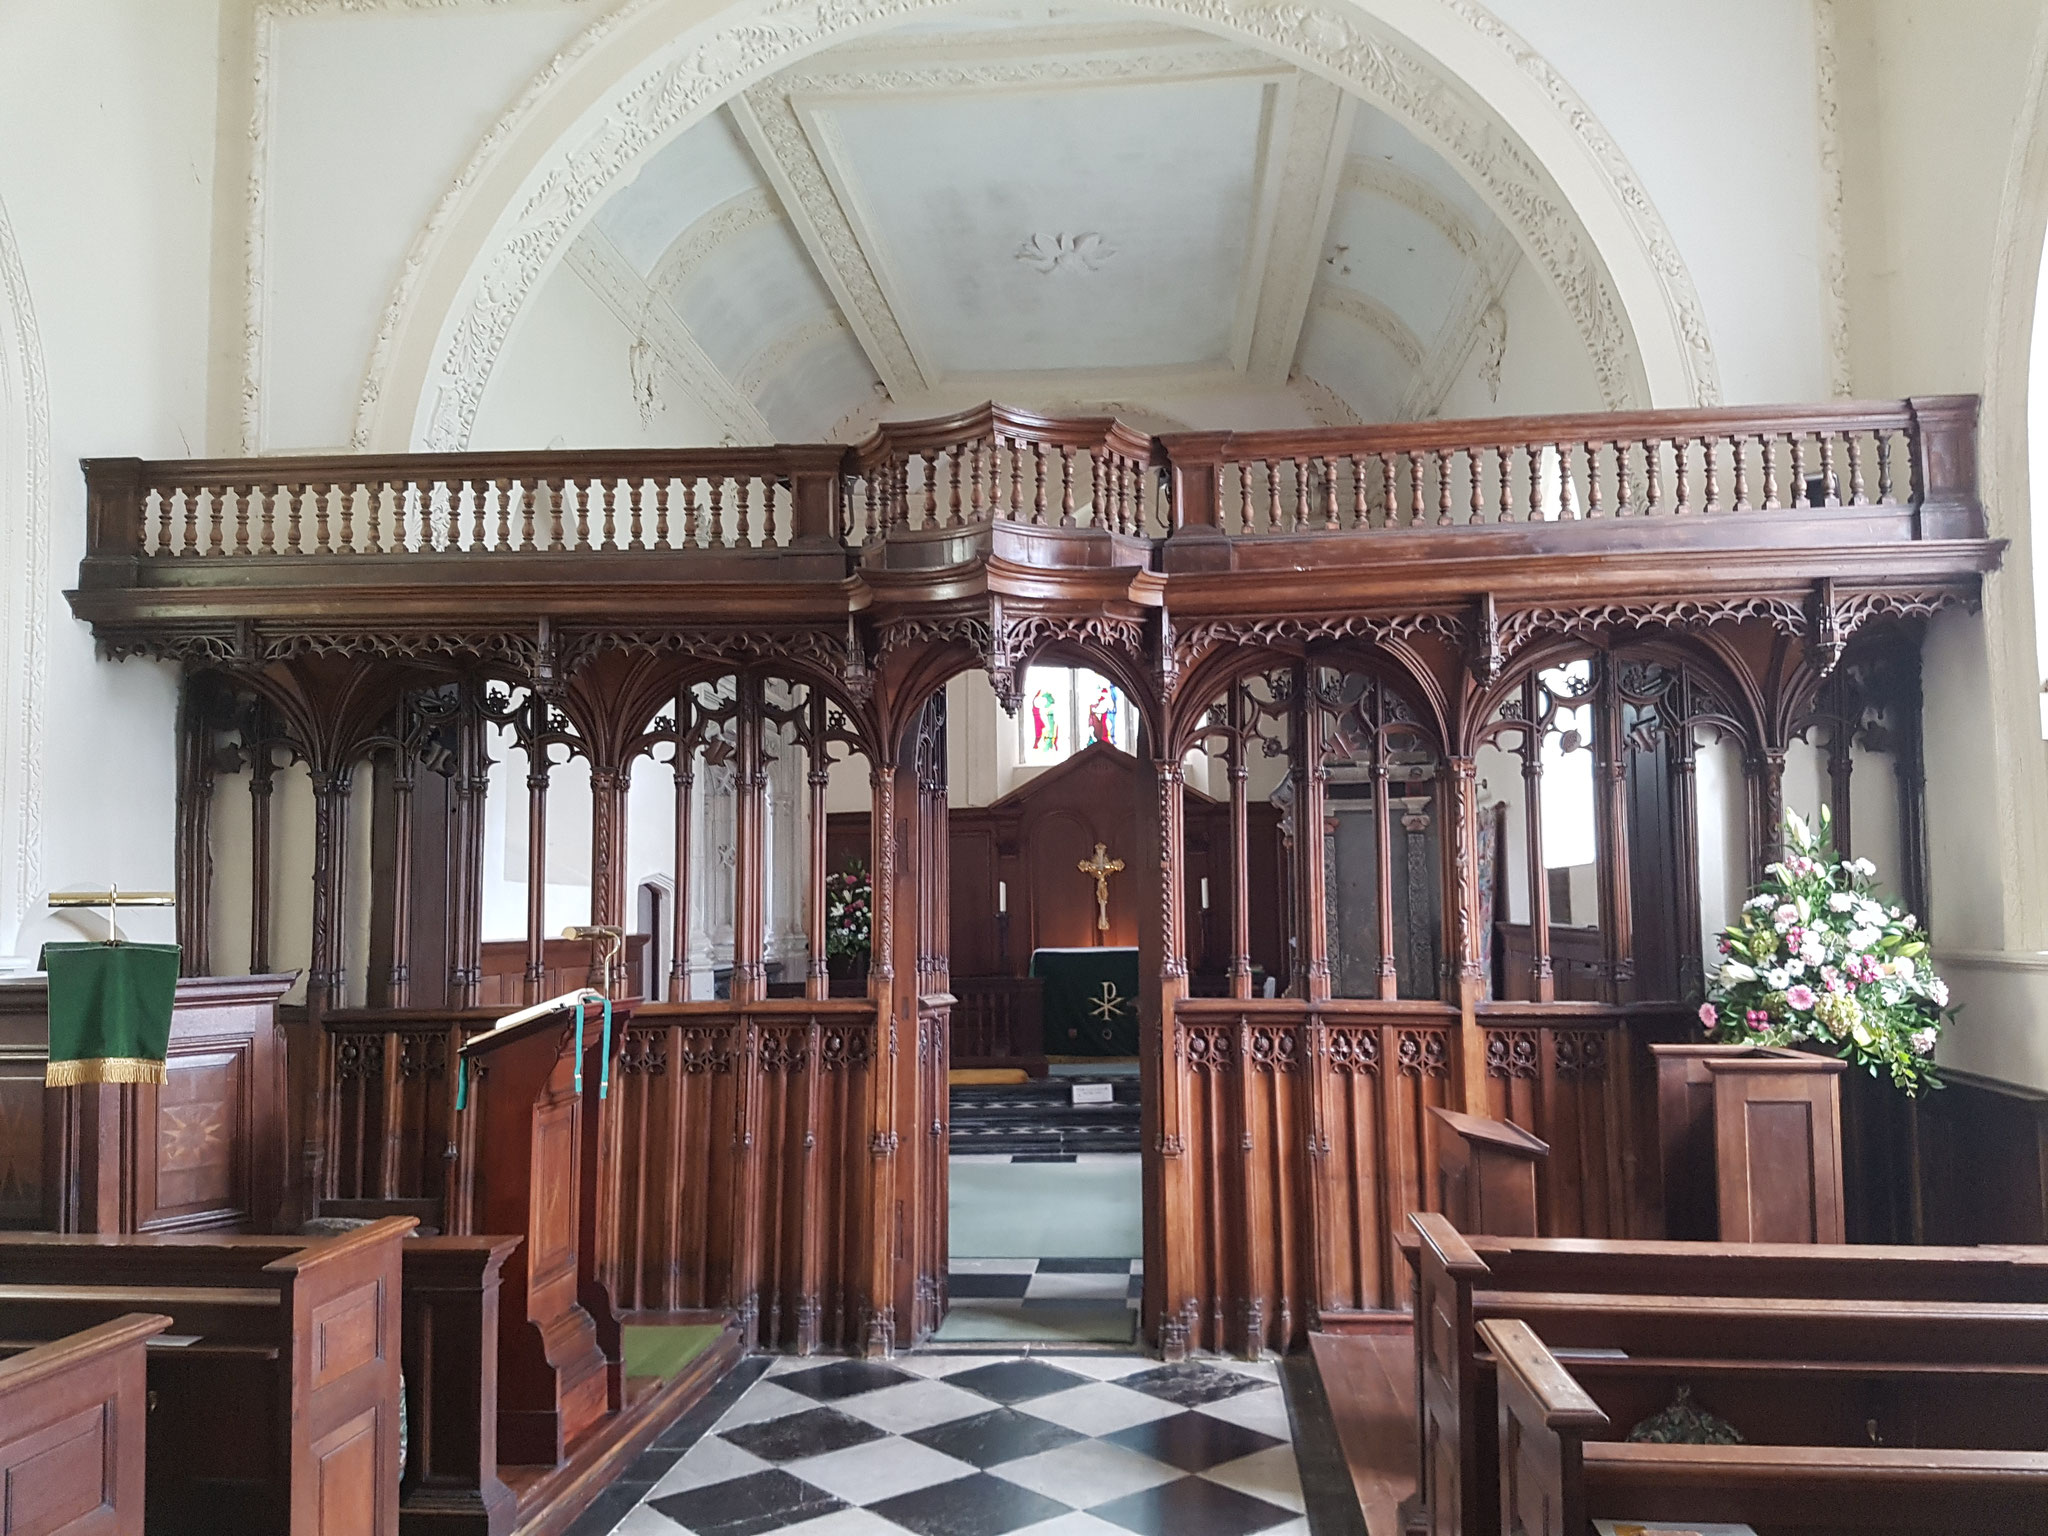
<point x="24" y="591"/>
<point x="650" y="69"/>
<point x="2014" y="599"/>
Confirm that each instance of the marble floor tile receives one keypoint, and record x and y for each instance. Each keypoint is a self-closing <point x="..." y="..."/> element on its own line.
<point x="1087" y="1473"/>
<point x="1100" y="1408"/>
<point x="867" y="1474"/>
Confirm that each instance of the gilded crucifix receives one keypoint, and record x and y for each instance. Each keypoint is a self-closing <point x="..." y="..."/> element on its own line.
<point x="1102" y="866"/>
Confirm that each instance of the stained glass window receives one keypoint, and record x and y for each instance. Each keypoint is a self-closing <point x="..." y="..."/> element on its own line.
<point x="1066" y="709"/>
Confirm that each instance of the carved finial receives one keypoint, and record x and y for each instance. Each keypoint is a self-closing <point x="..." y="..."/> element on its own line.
<point x="1825" y="641"/>
<point x="1484" y="654"/>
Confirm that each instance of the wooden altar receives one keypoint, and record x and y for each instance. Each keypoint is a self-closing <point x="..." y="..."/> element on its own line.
<point x="1366" y="611"/>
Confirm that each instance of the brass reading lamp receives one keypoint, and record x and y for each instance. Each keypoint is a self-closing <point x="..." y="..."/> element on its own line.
<point x="111" y="898"/>
<point x="578" y="999"/>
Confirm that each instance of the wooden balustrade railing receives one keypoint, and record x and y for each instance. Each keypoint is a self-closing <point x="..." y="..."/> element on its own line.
<point x="1582" y="468"/>
<point x="995" y="465"/>
<point x="684" y="500"/>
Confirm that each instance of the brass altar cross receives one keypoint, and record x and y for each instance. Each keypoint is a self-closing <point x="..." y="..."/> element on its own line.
<point x="1102" y="866"/>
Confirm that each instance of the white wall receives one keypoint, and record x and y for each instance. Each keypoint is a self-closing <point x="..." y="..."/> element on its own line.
<point x="106" y="185"/>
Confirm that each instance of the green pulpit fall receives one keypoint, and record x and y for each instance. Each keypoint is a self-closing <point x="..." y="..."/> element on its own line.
<point x="110" y="1012"/>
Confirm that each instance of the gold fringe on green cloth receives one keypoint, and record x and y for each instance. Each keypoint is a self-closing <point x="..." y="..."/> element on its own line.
<point x="112" y="1069"/>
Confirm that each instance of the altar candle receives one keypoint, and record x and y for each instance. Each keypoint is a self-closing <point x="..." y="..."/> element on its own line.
<point x="1002" y="896"/>
<point x="1205" y="893"/>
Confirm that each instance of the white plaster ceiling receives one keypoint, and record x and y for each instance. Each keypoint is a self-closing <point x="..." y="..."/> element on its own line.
<point x="1052" y="210"/>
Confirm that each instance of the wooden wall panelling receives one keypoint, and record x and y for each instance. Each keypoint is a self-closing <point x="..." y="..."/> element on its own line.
<point x="205" y="1151"/>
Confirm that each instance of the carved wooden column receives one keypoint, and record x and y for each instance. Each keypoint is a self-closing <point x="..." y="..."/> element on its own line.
<point x="1542" y="977"/>
<point x="750" y="868"/>
<point x="472" y="787"/>
<point x="1685" y="842"/>
<point x="608" y="787"/>
<point x="262" y="782"/>
<point x="1842" y="709"/>
<point x="878" y="1307"/>
<point x="327" y="975"/>
<point x="1462" y="906"/>
<point x="1172" y="1310"/>
<point x="1766" y="772"/>
<point x="818" y="982"/>
<point x="1239" y="716"/>
<point x="195" y="831"/>
<point x="1610" y="787"/>
<point x="1311" y="781"/>
<point x="537" y="769"/>
<point x="398" y="964"/>
<point x="684" y="770"/>
<point x="1383" y="867"/>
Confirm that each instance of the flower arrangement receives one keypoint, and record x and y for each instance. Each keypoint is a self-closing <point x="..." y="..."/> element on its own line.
<point x="1817" y="956"/>
<point x="847" y="915"/>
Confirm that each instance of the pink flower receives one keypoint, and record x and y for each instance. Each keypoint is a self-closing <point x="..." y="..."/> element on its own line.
<point x="1708" y="1015"/>
<point x="1800" y="997"/>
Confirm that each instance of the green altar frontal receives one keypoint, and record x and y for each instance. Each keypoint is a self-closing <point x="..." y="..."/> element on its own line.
<point x="1090" y="1001"/>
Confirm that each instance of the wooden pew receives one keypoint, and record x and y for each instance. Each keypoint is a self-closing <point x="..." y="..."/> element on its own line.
<point x="72" y="1431"/>
<point x="1586" y="1302"/>
<point x="277" y="1407"/>
<point x="1554" y="1478"/>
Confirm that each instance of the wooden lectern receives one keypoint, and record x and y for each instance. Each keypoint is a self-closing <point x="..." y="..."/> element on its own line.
<point x="529" y="1164"/>
<point x="1751" y="1142"/>
<point x="1486" y="1174"/>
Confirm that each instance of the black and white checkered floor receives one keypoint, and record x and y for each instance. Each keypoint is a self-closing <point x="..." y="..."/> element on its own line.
<point x="960" y="1445"/>
<point x="1042" y="1280"/>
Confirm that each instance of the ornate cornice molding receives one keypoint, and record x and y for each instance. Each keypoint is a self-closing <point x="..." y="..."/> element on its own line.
<point x="678" y="88"/>
<point x="24" y="577"/>
<point x="1681" y="296"/>
<point x="1834" y="257"/>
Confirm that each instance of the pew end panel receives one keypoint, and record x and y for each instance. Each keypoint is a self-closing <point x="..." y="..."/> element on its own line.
<point x="73" y="1416"/>
<point x="343" y="1297"/>
<point x="1452" y="1476"/>
<point x="1544" y="1418"/>
<point x="450" y="1353"/>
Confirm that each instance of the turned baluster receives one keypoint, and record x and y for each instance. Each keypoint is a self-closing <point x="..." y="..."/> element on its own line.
<point x="1710" y="485"/>
<point x="1884" y="466"/>
<point x="1390" y="491"/>
<point x="1564" y="478"/>
<point x="743" y="489"/>
<point x="550" y="487"/>
<point x="1477" y="514"/>
<point x="1772" y="500"/>
<point x="1016" y="482"/>
<point x="1830" y="495"/>
<point x="692" y="533"/>
<point x="1506" y="457"/>
<point x="1443" y="487"/>
<point x="1854" y="440"/>
<point x="1244" y="497"/>
<point x="1416" y="500"/>
<point x="1738" y="448"/>
<point x="975" y="505"/>
<point x="1066" y="451"/>
<point x="1592" y="480"/>
<point x="318" y="492"/>
<point x="1360" y="517"/>
<point x="528" y="490"/>
<point x="1800" y="498"/>
<point x="291" y="493"/>
<point x="930" y="460"/>
<point x="266" y="521"/>
<point x="1653" y="475"/>
<point x="210" y="520"/>
<point x="188" y="501"/>
<point x="500" y="494"/>
<point x="954" y="518"/>
<point x="1682" y="503"/>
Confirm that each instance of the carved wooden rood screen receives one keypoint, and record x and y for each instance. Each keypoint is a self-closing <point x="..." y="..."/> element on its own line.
<point x="1450" y="647"/>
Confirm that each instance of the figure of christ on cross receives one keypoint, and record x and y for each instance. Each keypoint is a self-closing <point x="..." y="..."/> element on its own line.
<point x="1101" y="867"/>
